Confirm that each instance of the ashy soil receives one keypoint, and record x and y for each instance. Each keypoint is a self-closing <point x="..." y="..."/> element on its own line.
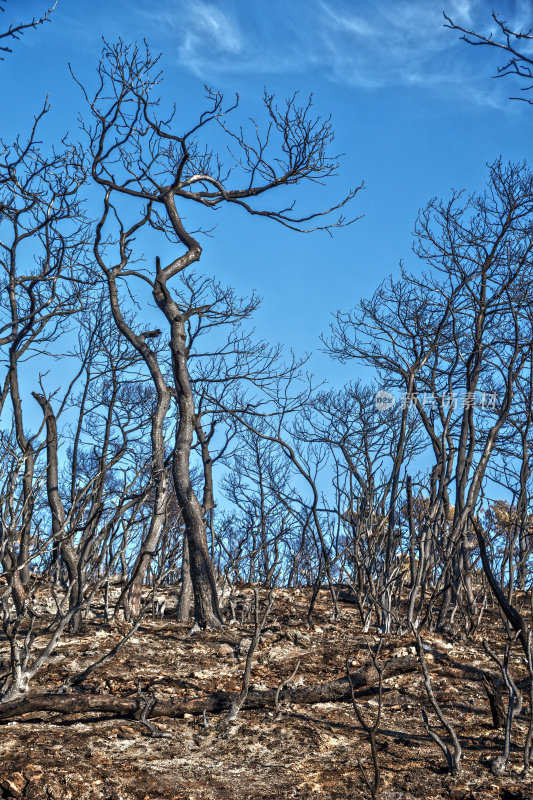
<point x="315" y="751"/>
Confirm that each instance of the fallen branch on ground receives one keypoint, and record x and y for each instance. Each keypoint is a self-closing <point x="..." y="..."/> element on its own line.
<point x="131" y="706"/>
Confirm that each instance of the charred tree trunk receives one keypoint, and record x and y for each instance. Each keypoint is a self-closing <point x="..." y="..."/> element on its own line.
<point x="206" y="608"/>
<point x="66" y="550"/>
<point x="334" y="691"/>
<point x="131" y="596"/>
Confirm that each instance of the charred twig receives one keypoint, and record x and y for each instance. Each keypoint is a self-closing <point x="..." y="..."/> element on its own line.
<point x="281" y="686"/>
<point x="453" y="759"/>
<point x="15" y="31"/>
<point x="259" y="625"/>
<point x="149" y="703"/>
<point x="529" y="738"/>
<point x="370" y="729"/>
<point x="499" y="763"/>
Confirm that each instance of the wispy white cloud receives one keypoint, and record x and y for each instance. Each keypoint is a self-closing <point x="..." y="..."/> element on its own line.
<point x="204" y="36"/>
<point x="208" y="29"/>
<point x="462" y="10"/>
<point x="215" y="38"/>
<point x="371" y="45"/>
<point x="392" y="43"/>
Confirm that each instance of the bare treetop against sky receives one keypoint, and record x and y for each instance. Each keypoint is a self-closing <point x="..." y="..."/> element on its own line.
<point x="413" y="108"/>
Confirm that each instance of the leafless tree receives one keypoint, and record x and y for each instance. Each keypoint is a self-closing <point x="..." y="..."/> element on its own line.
<point x="136" y="154"/>
<point x="461" y="330"/>
<point x="370" y="447"/>
<point x="43" y="243"/>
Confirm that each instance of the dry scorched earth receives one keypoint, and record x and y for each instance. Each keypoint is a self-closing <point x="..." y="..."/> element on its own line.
<point x="306" y="751"/>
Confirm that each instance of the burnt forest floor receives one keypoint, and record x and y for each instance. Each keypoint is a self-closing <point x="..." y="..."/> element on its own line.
<point x="306" y="752"/>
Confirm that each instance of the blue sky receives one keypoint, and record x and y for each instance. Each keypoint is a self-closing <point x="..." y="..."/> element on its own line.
<point x="414" y="109"/>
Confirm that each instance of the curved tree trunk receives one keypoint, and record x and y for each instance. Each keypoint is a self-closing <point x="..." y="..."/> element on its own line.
<point x="130" y="598"/>
<point x="206" y="608"/>
<point x="66" y="550"/>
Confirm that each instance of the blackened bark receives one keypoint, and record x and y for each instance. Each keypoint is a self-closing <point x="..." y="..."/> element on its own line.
<point x="131" y="596"/>
<point x="206" y="608"/>
<point x="66" y="550"/>
<point x="495" y="698"/>
<point x="514" y="617"/>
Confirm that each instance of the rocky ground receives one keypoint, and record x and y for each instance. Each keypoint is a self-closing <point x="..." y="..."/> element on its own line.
<point x="306" y="751"/>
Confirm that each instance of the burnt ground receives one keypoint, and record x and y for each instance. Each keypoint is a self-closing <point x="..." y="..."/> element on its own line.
<point x="307" y="752"/>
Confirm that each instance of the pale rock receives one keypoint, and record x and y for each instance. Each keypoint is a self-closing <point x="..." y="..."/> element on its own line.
<point x="301" y="639"/>
<point x="244" y="646"/>
<point x="441" y="643"/>
<point x="14" y="785"/>
<point x="32" y="771"/>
